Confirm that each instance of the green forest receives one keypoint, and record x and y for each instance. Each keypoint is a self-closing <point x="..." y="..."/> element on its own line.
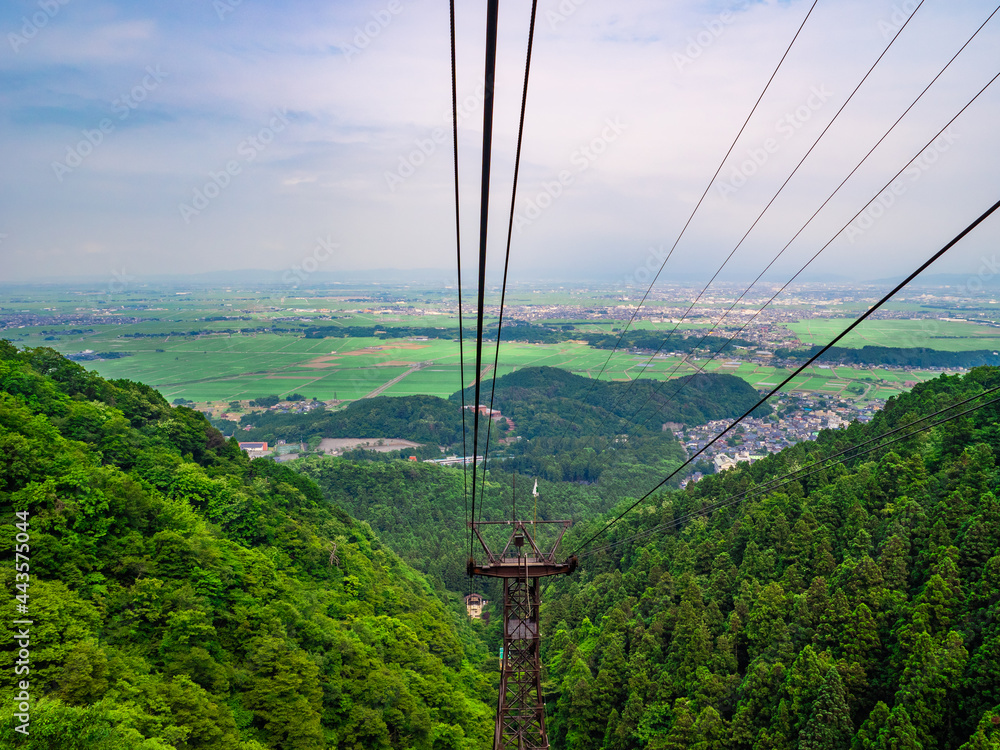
<point x="857" y="608"/>
<point x="854" y="608"/>
<point x="419" y="509"/>
<point x="184" y="596"/>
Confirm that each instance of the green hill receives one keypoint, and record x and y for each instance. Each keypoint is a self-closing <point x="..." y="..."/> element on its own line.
<point x="858" y="608"/>
<point x="548" y="401"/>
<point x="184" y="597"/>
<point x="423" y="419"/>
<point x="542" y="401"/>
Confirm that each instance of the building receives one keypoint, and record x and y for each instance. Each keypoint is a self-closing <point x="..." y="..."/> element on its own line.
<point x="474" y="604"/>
<point x="453" y="460"/>
<point x="486" y="411"/>
<point x="255" y="450"/>
<point x="723" y="462"/>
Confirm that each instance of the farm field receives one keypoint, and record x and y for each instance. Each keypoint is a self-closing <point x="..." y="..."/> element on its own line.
<point x="944" y="335"/>
<point x="222" y="367"/>
<point x="212" y="346"/>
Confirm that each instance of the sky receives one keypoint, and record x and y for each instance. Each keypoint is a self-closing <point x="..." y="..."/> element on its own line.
<point x="141" y="139"/>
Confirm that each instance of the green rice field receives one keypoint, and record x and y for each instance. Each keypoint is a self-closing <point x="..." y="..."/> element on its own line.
<point x="222" y="367"/>
<point x="184" y="350"/>
<point x="944" y="335"/>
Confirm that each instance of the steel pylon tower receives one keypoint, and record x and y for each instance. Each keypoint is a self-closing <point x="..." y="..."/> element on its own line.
<point x="520" y="721"/>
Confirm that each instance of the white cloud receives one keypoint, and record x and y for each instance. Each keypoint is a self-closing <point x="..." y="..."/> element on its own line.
<point x="353" y="118"/>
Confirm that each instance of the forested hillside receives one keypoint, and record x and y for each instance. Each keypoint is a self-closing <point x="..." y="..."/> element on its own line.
<point x="183" y="597"/>
<point x="543" y="402"/>
<point x="857" y="608"/>
<point x="419" y="509"/>
<point x="423" y="419"/>
<point x="548" y="401"/>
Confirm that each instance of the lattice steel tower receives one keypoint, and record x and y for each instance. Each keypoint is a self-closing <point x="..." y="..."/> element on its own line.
<point x="521" y="563"/>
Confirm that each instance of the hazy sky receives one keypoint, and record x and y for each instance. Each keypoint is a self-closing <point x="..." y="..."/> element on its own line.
<point x="141" y="138"/>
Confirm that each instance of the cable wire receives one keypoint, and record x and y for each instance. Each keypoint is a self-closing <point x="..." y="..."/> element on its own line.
<point x="746" y="291"/>
<point x="696" y="207"/>
<point x="492" y="11"/>
<point x="773" y="199"/>
<point x="864" y="316"/>
<point x="458" y="257"/>
<point x="510" y="229"/>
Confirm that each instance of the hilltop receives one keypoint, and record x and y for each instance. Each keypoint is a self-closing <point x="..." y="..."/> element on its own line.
<point x="539" y="401"/>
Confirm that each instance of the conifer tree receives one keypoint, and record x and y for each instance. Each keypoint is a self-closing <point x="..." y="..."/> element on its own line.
<point x="803" y="686"/>
<point x="894" y="563"/>
<point x="691" y="646"/>
<point x="709" y="732"/>
<point x="860" y="637"/>
<point x="898" y="732"/>
<point x="867" y="736"/>
<point x="829" y="726"/>
<point x="766" y="627"/>
<point x="987" y="734"/>
<point x="681" y="733"/>
<point x="932" y="670"/>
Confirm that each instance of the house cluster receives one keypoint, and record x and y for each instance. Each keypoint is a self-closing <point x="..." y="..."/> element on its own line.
<point x="798" y="418"/>
<point x="295" y="407"/>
